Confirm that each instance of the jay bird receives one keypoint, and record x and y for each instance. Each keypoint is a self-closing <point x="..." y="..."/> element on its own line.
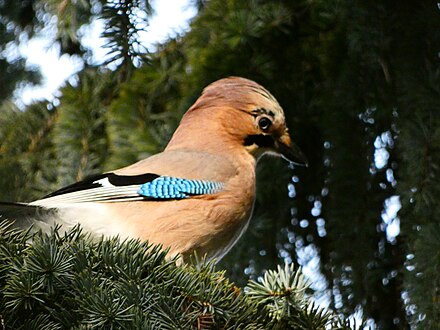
<point x="196" y="195"/>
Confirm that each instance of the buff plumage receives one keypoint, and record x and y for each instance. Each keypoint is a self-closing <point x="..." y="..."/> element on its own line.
<point x="196" y="195"/>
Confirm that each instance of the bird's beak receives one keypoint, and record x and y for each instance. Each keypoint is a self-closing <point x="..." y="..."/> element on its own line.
<point x="290" y="151"/>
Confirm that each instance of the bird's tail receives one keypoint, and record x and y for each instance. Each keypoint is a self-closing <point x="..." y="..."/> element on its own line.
<point x="23" y="216"/>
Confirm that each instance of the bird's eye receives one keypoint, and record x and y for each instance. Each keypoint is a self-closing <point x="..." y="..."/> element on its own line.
<point x="264" y="123"/>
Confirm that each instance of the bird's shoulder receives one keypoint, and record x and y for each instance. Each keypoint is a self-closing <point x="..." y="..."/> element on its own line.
<point x="184" y="164"/>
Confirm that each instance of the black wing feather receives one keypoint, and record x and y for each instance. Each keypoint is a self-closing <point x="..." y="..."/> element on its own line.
<point x="114" y="179"/>
<point x="22" y="215"/>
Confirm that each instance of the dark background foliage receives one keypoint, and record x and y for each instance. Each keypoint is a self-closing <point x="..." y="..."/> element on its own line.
<point x="359" y="82"/>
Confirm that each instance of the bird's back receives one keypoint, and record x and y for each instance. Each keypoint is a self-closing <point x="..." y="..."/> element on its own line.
<point x="189" y="164"/>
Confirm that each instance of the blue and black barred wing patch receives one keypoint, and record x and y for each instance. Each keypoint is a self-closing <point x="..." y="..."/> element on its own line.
<point x="111" y="187"/>
<point x="166" y="187"/>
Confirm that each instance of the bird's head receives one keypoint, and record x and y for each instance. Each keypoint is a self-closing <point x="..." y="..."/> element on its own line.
<point x="243" y="111"/>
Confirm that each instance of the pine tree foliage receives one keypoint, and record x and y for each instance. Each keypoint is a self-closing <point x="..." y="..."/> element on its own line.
<point x="71" y="16"/>
<point x="151" y="103"/>
<point x="25" y="151"/>
<point x="16" y="20"/>
<point x="421" y="154"/>
<point x="124" y="20"/>
<point x="79" y="132"/>
<point x="71" y="281"/>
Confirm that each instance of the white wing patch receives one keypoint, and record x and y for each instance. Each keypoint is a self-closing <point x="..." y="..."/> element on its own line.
<point x="107" y="193"/>
<point x="104" y="183"/>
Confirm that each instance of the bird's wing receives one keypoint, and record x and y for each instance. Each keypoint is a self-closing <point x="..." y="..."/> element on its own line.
<point x="139" y="183"/>
<point x="111" y="187"/>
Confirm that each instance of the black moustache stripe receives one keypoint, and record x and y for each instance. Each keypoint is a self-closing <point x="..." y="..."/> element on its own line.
<point x="263" y="141"/>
